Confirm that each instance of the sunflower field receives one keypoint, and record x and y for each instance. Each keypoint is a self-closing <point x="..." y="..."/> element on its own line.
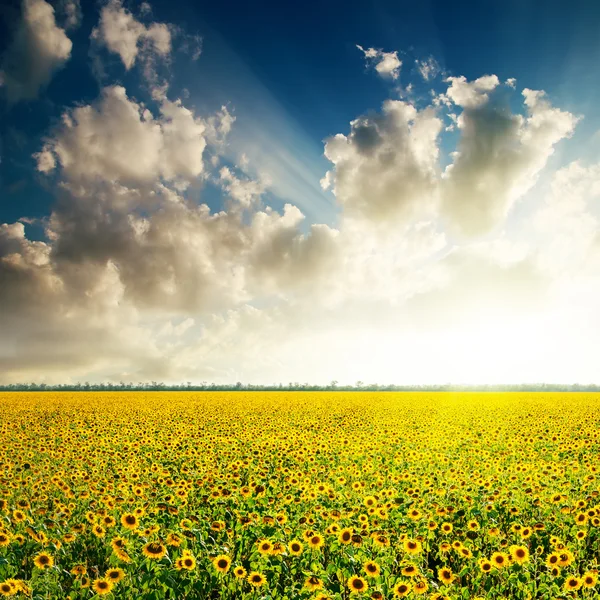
<point x="320" y="495"/>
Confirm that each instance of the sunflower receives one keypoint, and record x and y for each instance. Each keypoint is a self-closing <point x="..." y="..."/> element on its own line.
<point x="278" y="548"/>
<point x="6" y="589"/>
<point x="313" y="583"/>
<point x="43" y="561"/>
<point x="357" y="585"/>
<point x="239" y="572"/>
<point x="122" y="556"/>
<point x="519" y="554"/>
<point x="500" y="560"/>
<point x="295" y="547"/>
<point x="174" y="539"/>
<point x="308" y="533"/>
<point x="572" y="583"/>
<point x="412" y="546"/>
<point x="115" y="575"/>
<point x="316" y="541"/>
<point x="265" y="547"/>
<point x="526" y="532"/>
<point x="485" y="566"/>
<point x="552" y="560"/>
<point x="589" y="579"/>
<point x="565" y="558"/>
<point x="109" y="521"/>
<point x="345" y="536"/>
<point x="446" y="528"/>
<point x="118" y="543"/>
<point x="102" y="586"/>
<point x="256" y="579"/>
<point x="186" y="561"/>
<point x="154" y="550"/>
<point x="130" y="521"/>
<point x="381" y="541"/>
<point x="420" y="587"/>
<point x="79" y="570"/>
<point x="222" y="563"/>
<point x="18" y="516"/>
<point x="402" y="589"/>
<point x="410" y="570"/>
<point x="372" y="569"/>
<point x="446" y="575"/>
<point x="98" y="531"/>
<point x="4" y="539"/>
<point x="370" y="501"/>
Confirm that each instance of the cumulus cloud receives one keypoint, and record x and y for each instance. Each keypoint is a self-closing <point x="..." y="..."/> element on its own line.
<point x="471" y="94"/>
<point x="244" y="191"/>
<point x="121" y="206"/>
<point x="387" y="64"/>
<point x="37" y="50"/>
<point x="131" y="145"/>
<point x="386" y="166"/>
<point x="499" y="154"/>
<point x="124" y="35"/>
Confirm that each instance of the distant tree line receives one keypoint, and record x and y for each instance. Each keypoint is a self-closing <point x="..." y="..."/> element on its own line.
<point x="359" y="386"/>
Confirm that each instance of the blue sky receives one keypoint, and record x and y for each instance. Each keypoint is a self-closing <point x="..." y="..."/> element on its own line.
<point x="359" y="213"/>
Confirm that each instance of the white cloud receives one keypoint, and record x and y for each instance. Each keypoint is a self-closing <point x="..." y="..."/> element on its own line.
<point x="244" y="191"/>
<point x="471" y="94"/>
<point x="499" y="154"/>
<point x="428" y="68"/>
<point x="387" y="64"/>
<point x="387" y="165"/>
<point x="511" y="82"/>
<point x="131" y="145"/>
<point x="124" y="35"/>
<point x="37" y="50"/>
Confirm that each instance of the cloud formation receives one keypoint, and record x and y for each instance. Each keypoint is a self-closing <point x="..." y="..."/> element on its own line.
<point x="387" y="64"/>
<point x="428" y="68"/>
<point x="124" y="35"/>
<point x="418" y="265"/>
<point x="131" y="145"/>
<point x="386" y="166"/>
<point x="499" y="154"/>
<point x="38" y="49"/>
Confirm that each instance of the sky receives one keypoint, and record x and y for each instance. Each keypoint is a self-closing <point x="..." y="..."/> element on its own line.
<point x="385" y="192"/>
